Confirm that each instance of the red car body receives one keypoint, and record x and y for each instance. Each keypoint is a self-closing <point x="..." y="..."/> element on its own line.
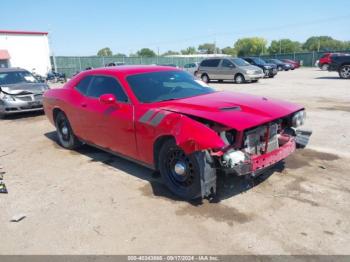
<point x="326" y="60"/>
<point x="136" y="130"/>
<point x="295" y="64"/>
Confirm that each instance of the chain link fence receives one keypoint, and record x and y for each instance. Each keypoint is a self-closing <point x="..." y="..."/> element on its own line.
<point x="72" y="64"/>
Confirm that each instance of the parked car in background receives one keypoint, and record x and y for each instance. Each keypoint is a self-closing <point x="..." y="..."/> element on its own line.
<point x="235" y="69"/>
<point x="115" y="64"/>
<point x="325" y="60"/>
<point x="20" y="91"/>
<point x="167" y="120"/>
<point x="55" y="77"/>
<point x="192" y="68"/>
<point x="295" y="64"/>
<point x="170" y="65"/>
<point x="341" y="64"/>
<point x="280" y="65"/>
<point x="270" y="70"/>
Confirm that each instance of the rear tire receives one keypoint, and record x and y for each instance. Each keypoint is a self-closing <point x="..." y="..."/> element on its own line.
<point x="344" y="72"/>
<point x="205" y="78"/>
<point x="66" y="137"/>
<point x="182" y="173"/>
<point x="2" y="116"/>
<point x="239" y="79"/>
<point x="324" y="67"/>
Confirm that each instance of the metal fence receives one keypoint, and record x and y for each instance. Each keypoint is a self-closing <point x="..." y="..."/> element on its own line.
<point x="72" y="64"/>
<point x="306" y="58"/>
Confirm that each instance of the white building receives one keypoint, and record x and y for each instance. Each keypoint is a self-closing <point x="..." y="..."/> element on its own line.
<point x="28" y="50"/>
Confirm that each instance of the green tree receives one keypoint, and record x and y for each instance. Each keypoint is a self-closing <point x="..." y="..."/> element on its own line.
<point x="120" y="55"/>
<point x="229" y="51"/>
<point x="146" y="52"/>
<point x="168" y="53"/>
<point x="323" y="43"/>
<point x="207" y="48"/>
<point x="105" y="52"/>
<point x="189" y="51"/>
<point x="284" y="46"/>
<point x="250" y="46"/>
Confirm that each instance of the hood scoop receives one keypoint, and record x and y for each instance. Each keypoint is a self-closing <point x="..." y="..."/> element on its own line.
<point x="230" y="108"/>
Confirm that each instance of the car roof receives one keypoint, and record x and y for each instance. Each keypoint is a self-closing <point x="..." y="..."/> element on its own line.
<point x="132" y="69"/>
<point x="12" y="69"/>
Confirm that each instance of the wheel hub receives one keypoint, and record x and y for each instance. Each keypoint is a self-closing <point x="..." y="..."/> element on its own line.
<point x="180" y="168"/>
<point x="64" y="130"/>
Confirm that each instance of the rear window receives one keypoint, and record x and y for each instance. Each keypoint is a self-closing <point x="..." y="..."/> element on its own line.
<point x="83" y="85"/>
<point x="211" y="63"/>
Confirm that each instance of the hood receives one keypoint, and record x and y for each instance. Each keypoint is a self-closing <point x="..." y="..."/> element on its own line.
<point x="235" y="110"/>
<point x="272" y="65"/>
<point x="25" y="88"/>
<point x="250" y="67"/>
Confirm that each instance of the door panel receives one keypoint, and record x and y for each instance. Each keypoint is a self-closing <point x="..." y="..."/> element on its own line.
<point x="226" y="72"/>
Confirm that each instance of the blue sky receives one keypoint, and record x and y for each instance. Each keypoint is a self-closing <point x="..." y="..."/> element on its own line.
<point x="83" y="27"/>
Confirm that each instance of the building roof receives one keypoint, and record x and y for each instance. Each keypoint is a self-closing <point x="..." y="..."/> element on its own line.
<point x="10" y="32"/>
<point x="4" y="55"/>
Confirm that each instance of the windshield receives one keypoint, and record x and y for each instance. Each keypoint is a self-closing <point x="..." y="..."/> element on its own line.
<point x="259" y="61"/>
<point x="276" y="61"/>
<point x="166" y="85"/>
<point x="16" y="77"/>
<point x="240" y="62"/>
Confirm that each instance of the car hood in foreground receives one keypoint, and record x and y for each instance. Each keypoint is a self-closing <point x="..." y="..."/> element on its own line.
<point x="24" y="88"/>
<point x="231" y="109"/>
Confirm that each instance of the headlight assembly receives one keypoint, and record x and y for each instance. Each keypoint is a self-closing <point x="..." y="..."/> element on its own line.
<point x="6" y="97"/>
<point x="299" y="118"/>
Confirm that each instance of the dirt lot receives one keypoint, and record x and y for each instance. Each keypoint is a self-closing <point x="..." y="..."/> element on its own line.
<point x="90" y="202"/>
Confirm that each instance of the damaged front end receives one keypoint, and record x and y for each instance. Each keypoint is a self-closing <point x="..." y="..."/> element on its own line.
<point x="254" y="150"/>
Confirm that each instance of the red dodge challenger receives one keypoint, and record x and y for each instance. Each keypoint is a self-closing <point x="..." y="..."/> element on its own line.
<point x="166" y="119"/>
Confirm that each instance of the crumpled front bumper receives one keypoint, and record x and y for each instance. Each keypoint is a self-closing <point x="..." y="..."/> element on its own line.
<point x="256" y="163"/>
<point x="11" y="107"/>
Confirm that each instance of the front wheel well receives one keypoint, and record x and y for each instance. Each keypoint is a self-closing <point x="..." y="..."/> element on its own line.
<point x="55" y="113"/>
<point x="157" y="146"/>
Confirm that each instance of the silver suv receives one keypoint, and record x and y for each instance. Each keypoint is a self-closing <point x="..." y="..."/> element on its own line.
<point x="235" y="69"/>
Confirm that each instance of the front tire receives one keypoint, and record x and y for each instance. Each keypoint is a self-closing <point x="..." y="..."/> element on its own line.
<point x="66" y="137"/>
<point x="182" y="173"/>
<point x="279" y="68"/>
<point x="344" y="72"/>
<point x="239" y="79"/>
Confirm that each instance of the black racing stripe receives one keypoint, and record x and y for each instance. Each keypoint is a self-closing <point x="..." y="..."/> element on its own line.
<point x="146" y="117"/>
<point x="157" y="119"/>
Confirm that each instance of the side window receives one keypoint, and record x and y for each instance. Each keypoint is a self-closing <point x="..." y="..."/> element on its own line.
<point x="227" y="63"/>
<point x="101" y="85"/>
<point x="211" y="63"/>
<point x="83" y="85"/>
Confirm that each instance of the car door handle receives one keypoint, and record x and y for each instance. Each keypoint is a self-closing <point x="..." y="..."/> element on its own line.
<point x="83" y="105"/>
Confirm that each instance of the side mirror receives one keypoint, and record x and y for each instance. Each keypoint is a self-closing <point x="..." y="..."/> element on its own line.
<point x="108" y="99"/>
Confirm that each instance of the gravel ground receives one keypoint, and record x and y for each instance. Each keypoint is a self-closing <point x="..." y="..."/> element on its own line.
<point x="90" y="202"/>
